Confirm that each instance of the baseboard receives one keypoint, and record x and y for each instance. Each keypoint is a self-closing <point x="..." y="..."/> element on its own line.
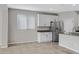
<point x="69" y="48"/>
<point x="4" y="46"/>
<point x="22" y="42"/>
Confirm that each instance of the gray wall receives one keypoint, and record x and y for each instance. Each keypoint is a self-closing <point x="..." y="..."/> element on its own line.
<point x="20" y="36"/>
<point x="0" y="25"/>
<point x="3" y="26"/>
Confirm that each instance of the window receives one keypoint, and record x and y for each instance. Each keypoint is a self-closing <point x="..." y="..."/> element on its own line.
<point x="25" y="21"/>
<point x="21" y="21"/>
<point x="31" y="22"/>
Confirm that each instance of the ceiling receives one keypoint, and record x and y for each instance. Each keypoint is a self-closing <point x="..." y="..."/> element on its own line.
<point x="51" y="8"/>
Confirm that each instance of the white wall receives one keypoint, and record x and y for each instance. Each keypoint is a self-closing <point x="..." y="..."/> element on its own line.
<point x="3" y="26"/>
<point x="69" y="20"/>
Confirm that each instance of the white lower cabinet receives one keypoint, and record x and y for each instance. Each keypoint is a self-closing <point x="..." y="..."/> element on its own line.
<point x="69" y="41"/>
<point x="44" y="36"/>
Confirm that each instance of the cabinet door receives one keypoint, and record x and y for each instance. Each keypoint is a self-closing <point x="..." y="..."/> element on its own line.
<point x="46" y="37"/>
<point x="43" y="37"/>
<point x="44" y="20"/>
<point x="50" y="36"/>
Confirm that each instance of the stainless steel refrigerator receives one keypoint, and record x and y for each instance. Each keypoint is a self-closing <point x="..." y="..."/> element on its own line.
<point x="55" y="31"/>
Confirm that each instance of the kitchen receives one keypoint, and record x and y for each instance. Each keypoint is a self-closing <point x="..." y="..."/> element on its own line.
<point x="28" y="26"/>
<point x="42" y="29"/>
<point x="38" y="26"/>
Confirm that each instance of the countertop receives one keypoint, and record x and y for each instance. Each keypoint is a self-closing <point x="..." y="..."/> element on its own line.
<point x="43" y="29"/>
<point x="71" y="33"/>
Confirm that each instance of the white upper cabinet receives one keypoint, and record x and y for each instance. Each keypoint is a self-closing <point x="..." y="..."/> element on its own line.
<point x="44" y="19"/>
